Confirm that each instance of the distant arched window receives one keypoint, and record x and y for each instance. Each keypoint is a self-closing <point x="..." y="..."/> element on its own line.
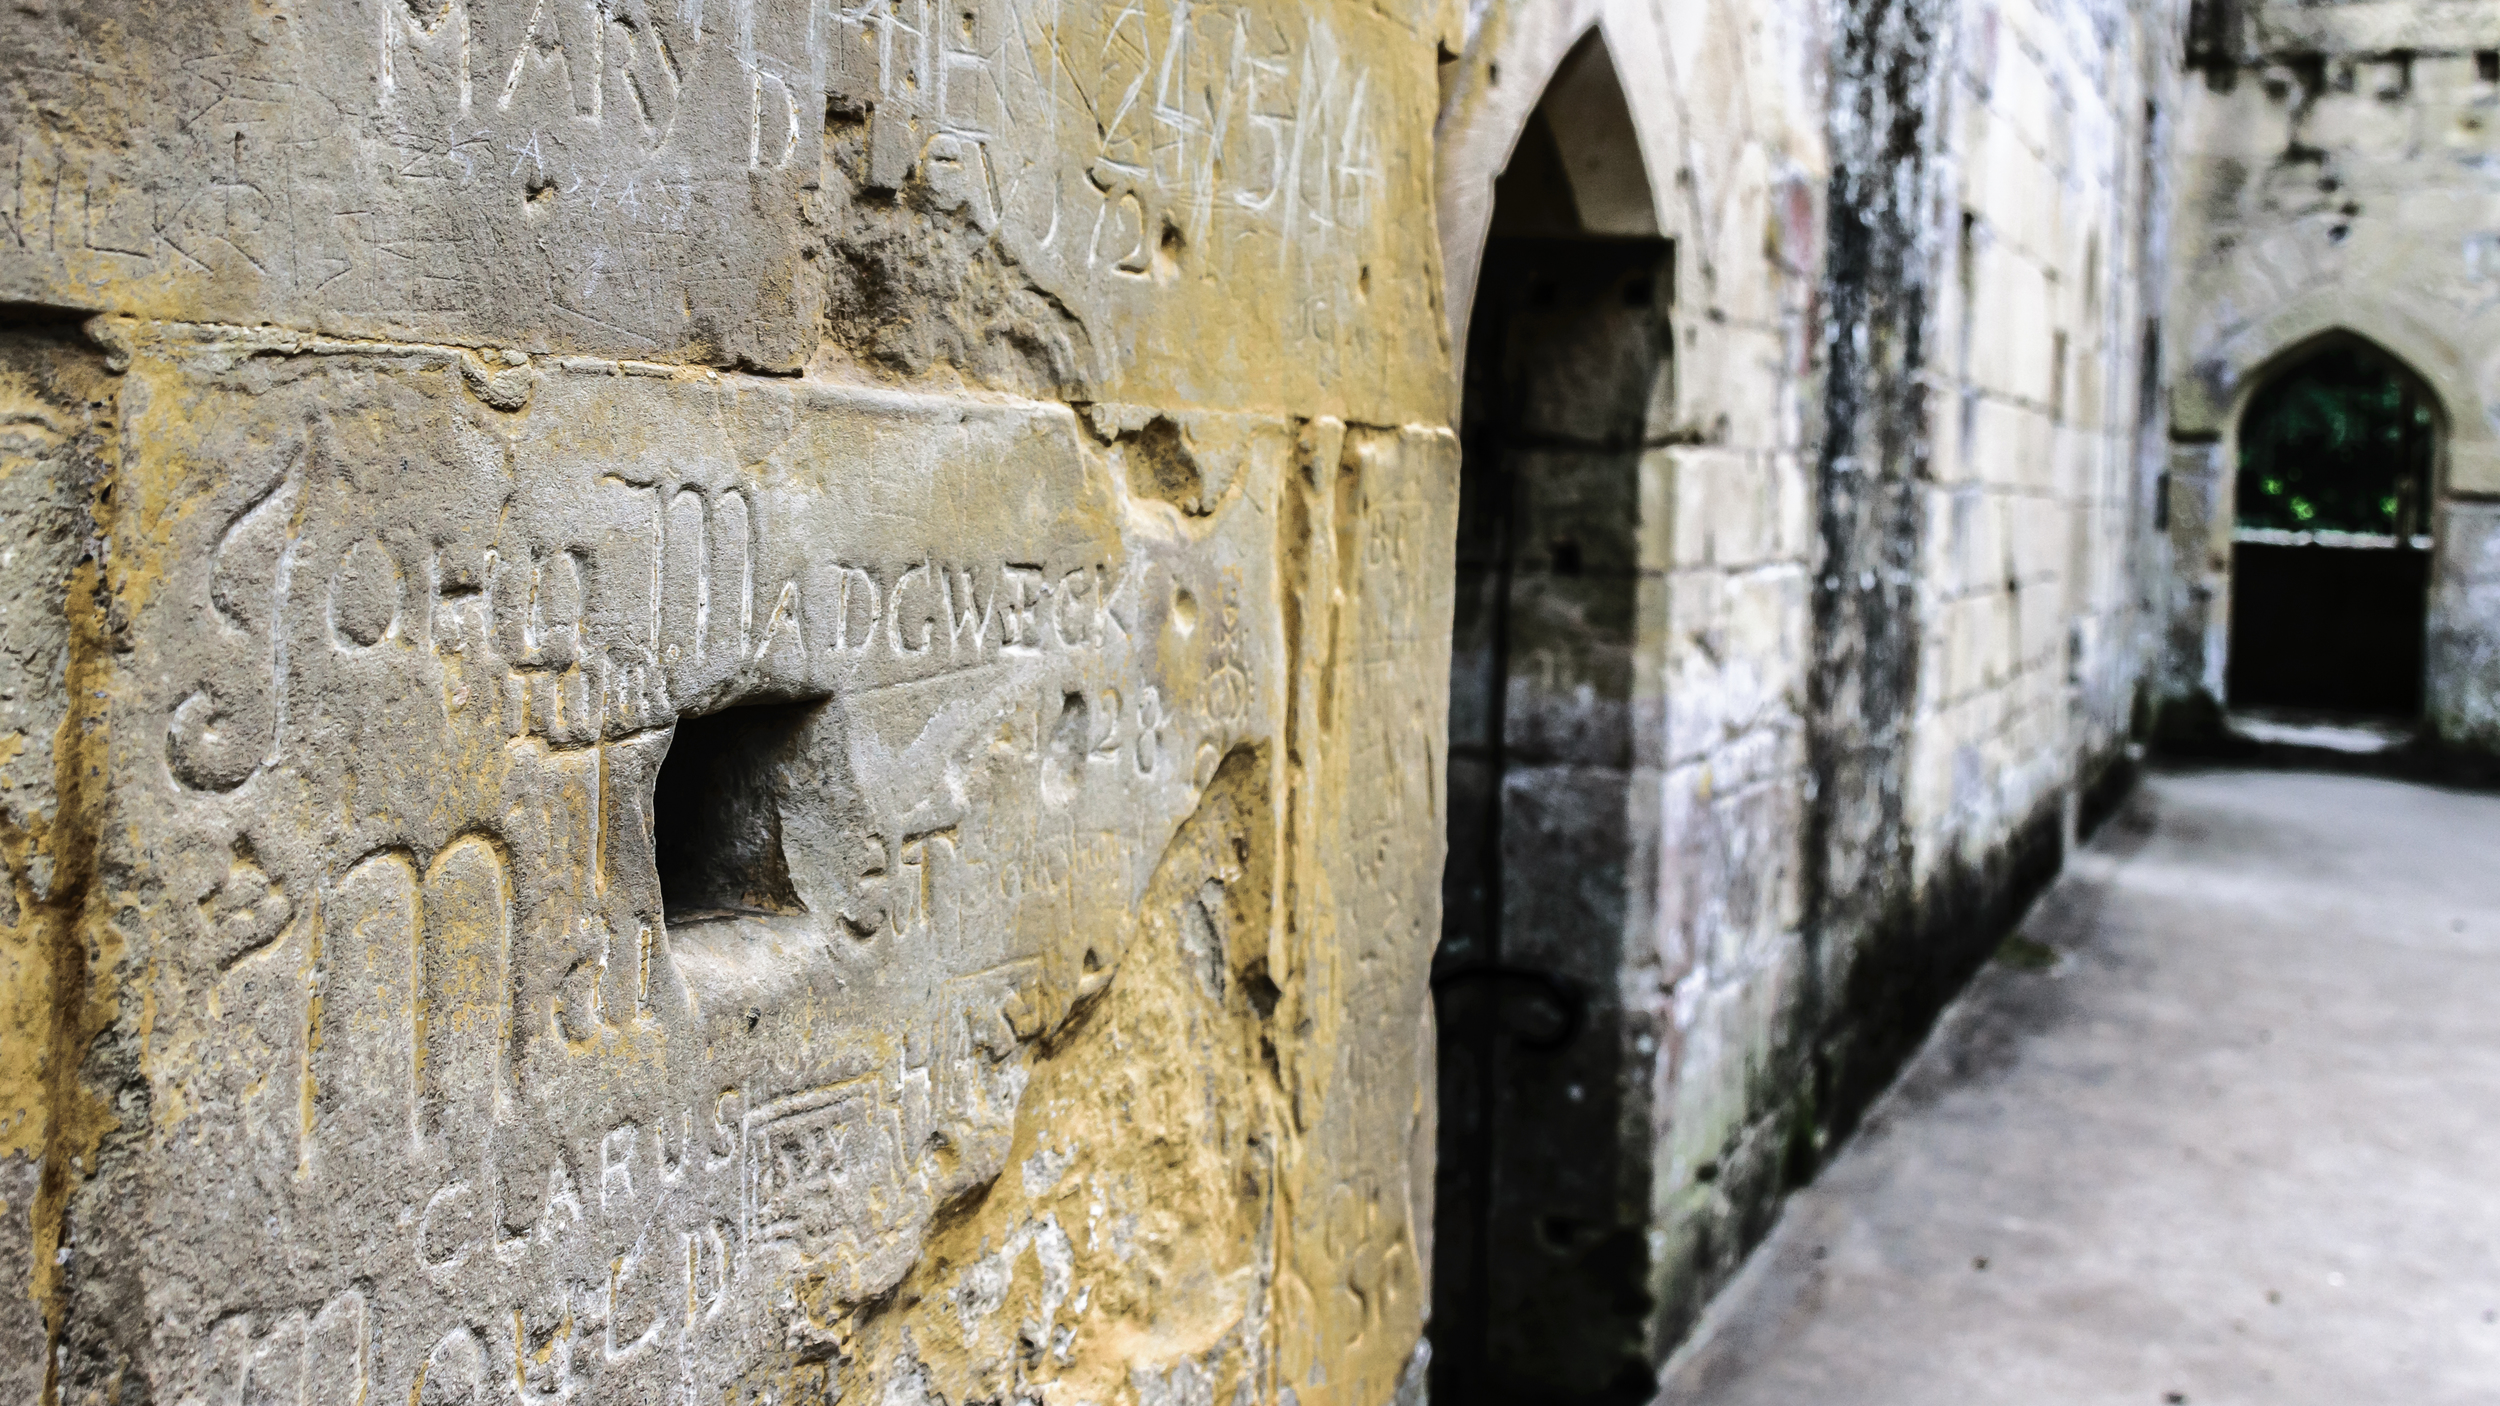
<point x="2340" y="441"/>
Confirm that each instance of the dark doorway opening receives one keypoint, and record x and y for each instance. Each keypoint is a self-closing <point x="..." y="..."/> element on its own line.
<point x="2331" y="552"/>
<point x="716" y="813"/>
<point x="1540" y="1262"/>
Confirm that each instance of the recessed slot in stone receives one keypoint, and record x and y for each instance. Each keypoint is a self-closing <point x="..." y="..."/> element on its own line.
<point x="716" y="814"/>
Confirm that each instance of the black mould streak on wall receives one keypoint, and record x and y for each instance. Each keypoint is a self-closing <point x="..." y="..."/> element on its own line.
<point x="1884" y="951"/>
<point x="1875" y="445"/>
<point x="1886" y="65"/>
<point x="1885" y="948"/>
<point x="1855" y="1014"/>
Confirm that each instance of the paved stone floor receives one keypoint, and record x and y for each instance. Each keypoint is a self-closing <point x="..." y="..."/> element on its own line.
<point x="2239" y="1141"/>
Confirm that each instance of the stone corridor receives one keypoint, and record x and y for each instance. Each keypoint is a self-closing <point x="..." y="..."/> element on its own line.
<point x="1280" y="702"/>
<point x="2213" y="1128"/>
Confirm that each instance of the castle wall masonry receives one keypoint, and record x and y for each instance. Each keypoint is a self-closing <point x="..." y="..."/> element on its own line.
<point x="751" y="700"/>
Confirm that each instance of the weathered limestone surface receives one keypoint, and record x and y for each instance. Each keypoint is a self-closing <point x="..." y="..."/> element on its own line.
<point x="1894" y="535"/>
<point x="747" y="699"/>
<point x="2336" y="179"/>
<point x="547" y="862"/>
<point x="1656" y="799"/>
<point x="1036" y="195"/>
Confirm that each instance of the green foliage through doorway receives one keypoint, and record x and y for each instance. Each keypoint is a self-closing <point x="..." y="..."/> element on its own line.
<point x="2340" y="442"/>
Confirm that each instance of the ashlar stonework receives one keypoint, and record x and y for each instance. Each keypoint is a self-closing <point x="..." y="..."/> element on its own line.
<point x="1815" y="673"/>
<point x="679" y="731"/>
<point x="2336" y="184"/>
<point x="753" y="701"/>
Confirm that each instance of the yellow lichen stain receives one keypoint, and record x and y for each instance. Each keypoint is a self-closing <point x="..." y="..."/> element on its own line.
<point x="1132" y="1239"/>
<point x="85" y="944"/>
<point x="59" y="954"/>
<point x="26" y="1006"/>
<point x="1170" y="1226"/>
<point x="32" y="431"/>
<point x="1185" y="1213"/>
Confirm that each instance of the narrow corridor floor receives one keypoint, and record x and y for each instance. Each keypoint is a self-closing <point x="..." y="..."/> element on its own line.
<point x="2233" y="1138"/>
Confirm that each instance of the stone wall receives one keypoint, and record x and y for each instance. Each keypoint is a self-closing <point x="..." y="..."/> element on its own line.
<point x="2335" y="179"/>
<point x="732" y="702"/>
<point x="1899" y="534"/>
<point x="1724" y="102"/>
<point x="749" y="700"/>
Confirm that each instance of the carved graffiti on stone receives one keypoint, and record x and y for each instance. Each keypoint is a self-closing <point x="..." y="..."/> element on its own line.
<point x="469" y="907"/>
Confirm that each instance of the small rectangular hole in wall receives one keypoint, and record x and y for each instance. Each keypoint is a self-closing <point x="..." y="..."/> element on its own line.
<point x="2487" y="65"/>
<point x="2057" y="377"/>
<point x="2161" y="501"/>
<point x="1966" y="277"/>
<point x="2213" y="35"/>
<point x="2395" y="77"/>
<point x="2148" y="382"/>
<point x="716" y="813"/>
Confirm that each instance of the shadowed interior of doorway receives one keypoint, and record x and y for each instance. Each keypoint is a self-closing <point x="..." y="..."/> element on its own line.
<point x="1540" y="1244"/>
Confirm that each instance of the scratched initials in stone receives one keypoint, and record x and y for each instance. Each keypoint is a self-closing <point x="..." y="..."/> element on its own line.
<point x="411" y="1004"/>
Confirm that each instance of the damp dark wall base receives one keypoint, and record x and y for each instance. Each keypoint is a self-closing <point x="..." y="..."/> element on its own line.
<point x="1889" y="983"/>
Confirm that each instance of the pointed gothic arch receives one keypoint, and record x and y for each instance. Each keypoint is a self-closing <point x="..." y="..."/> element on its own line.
<point x="2333" y="474"/>
<point x="1542" y="1262"/>
<point x="1557" y="63"/>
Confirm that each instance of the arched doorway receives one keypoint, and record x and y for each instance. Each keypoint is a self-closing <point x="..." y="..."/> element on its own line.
<point x="2331" y="542"/>
<point x="1541" y="1263"/>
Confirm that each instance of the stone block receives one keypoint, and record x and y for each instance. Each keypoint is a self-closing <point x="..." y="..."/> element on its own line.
<point x="1763" y="616"/>
<point x="600" y="847"/>
<point x="1929" y="795"/>
<point x="1727" y="509"/>
<point x="498" y="174"/>
<point x="1570" y="695"/>
<point x="494" y="660"/>
<point x="2046" y="624"/>
<point x="1664" y="520"/>
<point x="1732" y="387"/>
<point x="1966" y="540"/>
<point x="2363" y="118"/>
<point x="1792" y="487"/>
<point x="1577" y="510"/>
<point x="739" y="184"/>
<point x="2474" y="470"/>
<point x="2034" y="464"/>
<point x="2025" y="101"/>
<point x="2041" y="540"/>
<point x="2024" y="195"/>
<point x="1994" y="441"/>
<point x="1735" y="655"/>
